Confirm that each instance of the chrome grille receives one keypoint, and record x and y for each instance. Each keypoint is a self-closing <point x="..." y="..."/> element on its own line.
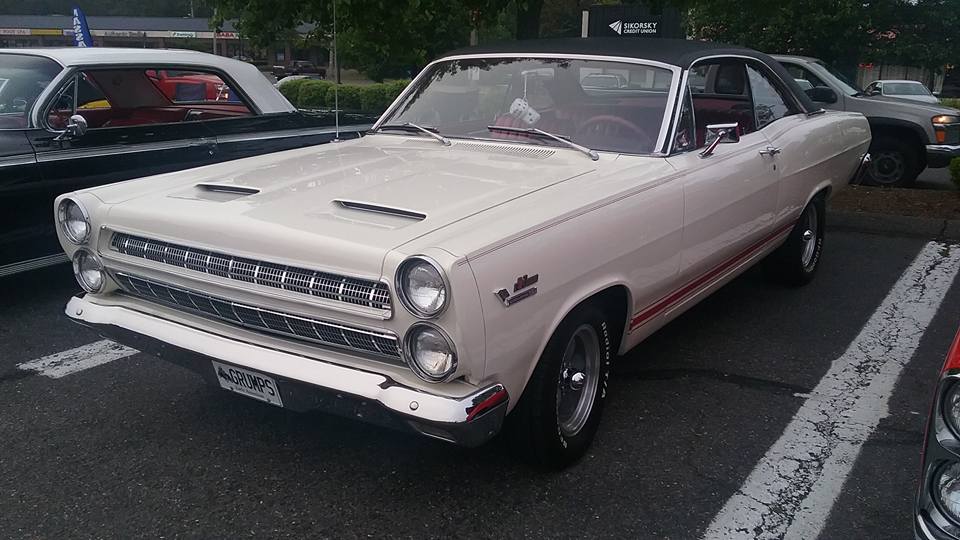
<point x="294" y="326"/>
<point x="359" y="292"/>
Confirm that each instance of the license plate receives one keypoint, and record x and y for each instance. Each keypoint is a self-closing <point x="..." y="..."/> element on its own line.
<point x="249" y="383"/>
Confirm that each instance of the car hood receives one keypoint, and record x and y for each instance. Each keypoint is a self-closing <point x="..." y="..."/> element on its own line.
<point x="932" y="109"/>
<point x="340" y="206"/>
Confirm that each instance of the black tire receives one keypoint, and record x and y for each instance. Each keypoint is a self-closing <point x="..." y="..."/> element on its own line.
<point x="795" y="263"/>
<point x="895" y="162"/>
<point x="534" y="428"/>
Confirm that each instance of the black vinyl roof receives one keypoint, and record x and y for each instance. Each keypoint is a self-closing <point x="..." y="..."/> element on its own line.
<point x="677" y="52"/>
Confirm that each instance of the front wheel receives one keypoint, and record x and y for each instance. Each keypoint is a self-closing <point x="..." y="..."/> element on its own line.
<point x="894" y="162"/>
<point x="558" y="414"/>
<point x="795" y="262"/>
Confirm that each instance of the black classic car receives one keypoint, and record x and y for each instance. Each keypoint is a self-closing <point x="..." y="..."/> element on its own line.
<point x="75" y="118"/>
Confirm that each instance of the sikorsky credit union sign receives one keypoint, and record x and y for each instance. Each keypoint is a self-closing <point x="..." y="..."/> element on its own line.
<point x="633" y="21"/>
<point x="647" y="27"/>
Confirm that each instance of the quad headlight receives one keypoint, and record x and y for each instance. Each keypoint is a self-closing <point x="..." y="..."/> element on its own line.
<point x="73" y="221"/>
<point x="422" y="286"/>
<point x="88" y="271"/>
<point x="951" y="408"/>
<point x="429" y="352"/>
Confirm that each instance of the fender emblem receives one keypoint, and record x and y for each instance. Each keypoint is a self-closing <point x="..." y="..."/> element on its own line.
<point x="522" y="290"/>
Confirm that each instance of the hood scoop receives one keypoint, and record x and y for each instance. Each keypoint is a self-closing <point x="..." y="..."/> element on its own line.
<point x="381" y="209"/>
<point x="215" y="192"/>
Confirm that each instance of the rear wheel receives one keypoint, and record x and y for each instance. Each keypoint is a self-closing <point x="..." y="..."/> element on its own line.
<point x="558" y="414"/>
<point x="894" y="162"/>
<point x="795" y="262"/>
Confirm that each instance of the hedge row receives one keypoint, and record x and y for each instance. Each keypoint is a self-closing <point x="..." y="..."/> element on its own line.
<point x="951" y="102"/>
<point x="319" y="94"/>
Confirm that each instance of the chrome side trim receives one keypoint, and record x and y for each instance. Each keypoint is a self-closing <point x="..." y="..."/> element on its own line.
<point x="326" y="333"/>
<point x="281" y="134"/>
<point x="33" y="264"/>
<point x="120" y="149"/>
<point x="13" y="161"/>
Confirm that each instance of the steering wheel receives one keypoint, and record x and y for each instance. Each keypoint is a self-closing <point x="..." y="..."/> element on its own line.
<point x="607" y="125"/>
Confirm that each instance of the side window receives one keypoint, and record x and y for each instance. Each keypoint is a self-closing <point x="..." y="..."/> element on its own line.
<point x="803" y="74"/>
<point x="719" y="94"/>
<point x="686" y="127"/>
<point x="768" y="101"/>
<point x="128" y="97"/>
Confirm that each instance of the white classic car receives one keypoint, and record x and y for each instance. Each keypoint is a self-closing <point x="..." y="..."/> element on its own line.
<point x="477" y="260"/>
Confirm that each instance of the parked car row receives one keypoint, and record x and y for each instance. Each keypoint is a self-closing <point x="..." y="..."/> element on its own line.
<point x="75" y="118"/>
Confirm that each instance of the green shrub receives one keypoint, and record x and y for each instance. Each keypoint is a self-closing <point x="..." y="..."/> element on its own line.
<point x="317" y="94"/>
<point x="951" y="102"/>
<point x="349" y="97"/>
<point x="955" y="171"/>
<point x="312" y="94"/>
<point x="394" y="88"/>
<point x="373" y="98"/>
<point x="291" y="89"/>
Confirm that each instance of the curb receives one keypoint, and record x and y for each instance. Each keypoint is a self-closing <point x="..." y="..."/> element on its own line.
<point x="947" y="229"/>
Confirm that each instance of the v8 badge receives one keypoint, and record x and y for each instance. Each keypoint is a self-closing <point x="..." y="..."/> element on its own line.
<point x="522" y="289"/>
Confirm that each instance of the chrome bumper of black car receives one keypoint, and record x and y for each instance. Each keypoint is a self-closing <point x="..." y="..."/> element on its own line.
<point x="305" y="383"/>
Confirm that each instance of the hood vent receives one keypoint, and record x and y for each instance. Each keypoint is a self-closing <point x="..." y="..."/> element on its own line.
<point x="534" y="152"/>
<point x="380" y="209"/>
<point x="232" y="189"/>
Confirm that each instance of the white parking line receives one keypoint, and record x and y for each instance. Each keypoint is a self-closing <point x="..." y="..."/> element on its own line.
<point x="792" y="489"/>
<point x="84" y="357"/>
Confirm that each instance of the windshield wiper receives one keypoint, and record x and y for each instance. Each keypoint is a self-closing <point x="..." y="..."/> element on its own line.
<point x="410" y="126"/>
<point x="535" y="131"/>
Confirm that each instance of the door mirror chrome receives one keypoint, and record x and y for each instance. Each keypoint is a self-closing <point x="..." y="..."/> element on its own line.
<point x="76" y="127"/>
<point x="720" y="133"/>
<point x="821" y="94"/>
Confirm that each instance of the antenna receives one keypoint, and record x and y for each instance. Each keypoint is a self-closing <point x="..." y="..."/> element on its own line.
<point x="336" y="81"/>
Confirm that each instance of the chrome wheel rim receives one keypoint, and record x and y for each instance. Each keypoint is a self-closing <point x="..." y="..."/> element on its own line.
<point x="578" y="381"/>
<point x="809" y="237"/>
<point x="887" y="167"/>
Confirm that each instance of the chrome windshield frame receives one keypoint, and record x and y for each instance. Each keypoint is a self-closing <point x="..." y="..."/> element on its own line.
<point x="668" y="111"/>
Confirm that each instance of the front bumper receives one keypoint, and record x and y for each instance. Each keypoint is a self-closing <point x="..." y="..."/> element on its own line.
<point x="305" y="383"/>
<point x="939" y="155"/>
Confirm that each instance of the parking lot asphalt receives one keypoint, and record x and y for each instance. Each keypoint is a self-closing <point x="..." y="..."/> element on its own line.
<point x="140" y="448"/>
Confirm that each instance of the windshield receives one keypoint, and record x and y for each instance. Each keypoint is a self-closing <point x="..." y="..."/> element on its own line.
<point x="848" y="86"/>
<point x="607" y="106"/>
<point x="905" y="89"/>
<point x="22" y="79"/>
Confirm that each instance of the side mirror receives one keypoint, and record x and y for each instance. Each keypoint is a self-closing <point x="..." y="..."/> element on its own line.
<point x="76" y="127"/>
<point x="720" y="133"/>
<point x="821" y="94"/>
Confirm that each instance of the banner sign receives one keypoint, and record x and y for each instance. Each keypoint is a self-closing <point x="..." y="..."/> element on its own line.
<point x="81" y="32"/>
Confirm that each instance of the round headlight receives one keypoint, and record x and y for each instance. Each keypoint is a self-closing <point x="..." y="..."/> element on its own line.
<point x="88" y="271"/>
<point x="951" y="407"/>
<point x="947" y="490"/>
<point x="422" y="287"/>
<point x="430" y="353"/>
<point x="73" y="221"/>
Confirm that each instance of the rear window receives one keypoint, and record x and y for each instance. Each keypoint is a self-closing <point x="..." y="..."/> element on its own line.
<point x="22" y="79"/>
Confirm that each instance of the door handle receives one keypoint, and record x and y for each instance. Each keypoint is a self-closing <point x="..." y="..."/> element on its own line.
<point x="770" y="151"/>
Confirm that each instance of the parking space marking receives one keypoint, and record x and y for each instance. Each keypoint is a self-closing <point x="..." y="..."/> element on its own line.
<point x="87" y="356"/>
<point x="790" y="492"/>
